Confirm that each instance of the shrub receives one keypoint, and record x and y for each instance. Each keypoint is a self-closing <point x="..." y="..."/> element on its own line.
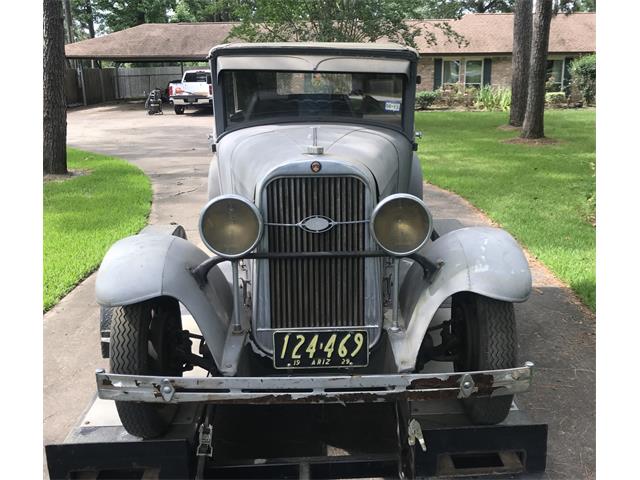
<point x="551" y="85"/>
<point x="425" y="99"/>
<point x="493" y="98"/>
<point x="458" y="95"/>
<point x="583" y="74"/>
<point x="555" y="98"/>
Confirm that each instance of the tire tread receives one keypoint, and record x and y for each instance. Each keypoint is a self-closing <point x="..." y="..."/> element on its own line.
<point x="128" y="356"/>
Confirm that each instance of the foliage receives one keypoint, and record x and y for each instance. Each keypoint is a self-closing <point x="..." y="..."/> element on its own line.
<point x="426" y="98"/>
<point x="551" y="85"/>
<point x="84" y="18"/>
<point x="332" y="21"/>
<point x="457" y="95"/>
<point x="555" y="98"/>
<point x="543" y="195"/>
<point x="493" y="98"/>
<point x="457" y="8"/>
<point x="203" y="11"/>
<point x="583" y="75"/>
<point x="572" y="6"/>
<point x="118" y="15"/>
<point x="85" y="215"/>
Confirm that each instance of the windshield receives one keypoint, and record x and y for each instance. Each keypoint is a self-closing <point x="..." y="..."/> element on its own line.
<point x="266" y="96"/>
<point x="194" y="77"/>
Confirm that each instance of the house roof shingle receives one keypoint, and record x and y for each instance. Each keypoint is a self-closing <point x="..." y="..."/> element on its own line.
<point x="486" y="33"/>
<point x="493" y="33"/>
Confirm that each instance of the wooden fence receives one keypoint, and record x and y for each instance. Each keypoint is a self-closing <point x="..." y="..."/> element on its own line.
<point x="107" y="84"/>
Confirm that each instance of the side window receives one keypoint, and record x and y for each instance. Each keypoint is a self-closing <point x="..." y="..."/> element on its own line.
<point x="554" y="75"/>
<point x="473" y="73"/>
<point x="451" y="71"/>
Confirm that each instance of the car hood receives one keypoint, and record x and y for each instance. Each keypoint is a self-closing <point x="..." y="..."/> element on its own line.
<point x="246" y="156"/>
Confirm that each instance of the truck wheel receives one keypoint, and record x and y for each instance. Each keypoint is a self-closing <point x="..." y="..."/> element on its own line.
<point x="144" y="340"/>
<point x="178" y="109"/>
<point x="486" y="329"/>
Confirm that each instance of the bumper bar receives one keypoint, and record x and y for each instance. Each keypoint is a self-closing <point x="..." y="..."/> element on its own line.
<point x="318" y="389"/>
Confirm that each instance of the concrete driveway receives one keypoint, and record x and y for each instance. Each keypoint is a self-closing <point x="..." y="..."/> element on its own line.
<point x="555" y="331"/>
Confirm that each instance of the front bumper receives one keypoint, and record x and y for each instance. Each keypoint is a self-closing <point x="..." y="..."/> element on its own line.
<point x="191" y="100"/>
<point x="316" y="389"/>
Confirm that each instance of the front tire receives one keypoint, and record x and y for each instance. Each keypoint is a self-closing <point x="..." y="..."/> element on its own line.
<point x="143" y="341"/>
<point x="487" y="332"/>
<point x="178" y="109"/>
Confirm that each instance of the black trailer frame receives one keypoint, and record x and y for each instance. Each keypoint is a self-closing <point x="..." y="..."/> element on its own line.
<point x="302" y="441"/>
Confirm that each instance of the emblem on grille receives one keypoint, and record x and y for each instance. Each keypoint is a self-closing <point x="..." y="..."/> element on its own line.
<point x="316" y="167"/>
<point x="316" y="224"/>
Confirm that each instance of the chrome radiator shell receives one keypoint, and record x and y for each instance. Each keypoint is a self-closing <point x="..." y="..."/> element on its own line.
<point x="331" y="294"/>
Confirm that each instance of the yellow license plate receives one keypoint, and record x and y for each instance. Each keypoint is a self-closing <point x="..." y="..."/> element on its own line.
<point x="320" y="349"/>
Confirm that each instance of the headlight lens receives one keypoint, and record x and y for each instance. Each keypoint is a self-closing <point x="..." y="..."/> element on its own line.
<point x="401" y="224"/>
<point x="230" y="226"/>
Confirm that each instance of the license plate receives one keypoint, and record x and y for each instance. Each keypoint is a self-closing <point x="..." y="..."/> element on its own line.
<point x="320" y="349"/>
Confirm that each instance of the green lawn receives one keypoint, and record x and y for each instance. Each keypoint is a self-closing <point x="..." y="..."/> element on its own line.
<point x="543" y="195"/>
<point x="85" y="215"/>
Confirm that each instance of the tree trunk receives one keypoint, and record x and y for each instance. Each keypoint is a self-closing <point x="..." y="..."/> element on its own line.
<point x="67" y="13"/>
<point x="55" y="110"/>
<point x="89" y="10"/>
<point x="533" y="126"/>
<point x="520" y="61"/>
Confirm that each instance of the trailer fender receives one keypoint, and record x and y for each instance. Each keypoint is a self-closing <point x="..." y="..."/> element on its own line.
<point x="482" y="260"/>
<point x="151" y="265"/>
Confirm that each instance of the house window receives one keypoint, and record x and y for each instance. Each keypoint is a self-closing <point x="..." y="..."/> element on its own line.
<point x="451" y="71"/>
<point x="555" y="74"/>
<point x="473" y="73"/>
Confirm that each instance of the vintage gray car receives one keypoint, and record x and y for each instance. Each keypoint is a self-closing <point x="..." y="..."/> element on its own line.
<point x="327" y="271"/>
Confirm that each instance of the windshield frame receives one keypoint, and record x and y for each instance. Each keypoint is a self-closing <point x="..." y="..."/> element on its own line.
<point x="221" y="128"/>
<point x="220" y="107"/>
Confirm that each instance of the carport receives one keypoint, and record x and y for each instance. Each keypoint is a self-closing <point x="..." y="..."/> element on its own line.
<point x="147" y="43"/>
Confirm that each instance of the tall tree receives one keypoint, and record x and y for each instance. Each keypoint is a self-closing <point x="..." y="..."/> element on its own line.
<point x="533" y="126"/>
<point x="69" y="20"/>
<point x="204" y="11"/>
<point x="84" y="18"/>
<point x="121" y="14"/>
<point x="571" y="6"/>
<point x="457" y="8"/>
<point x="55" y="111"/>
<point x="332" y="21"/>
<point x="520" y="61"/>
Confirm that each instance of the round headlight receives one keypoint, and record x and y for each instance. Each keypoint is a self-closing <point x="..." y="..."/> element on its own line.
<point x="230" y="226"/>
<point x="401" y="224"/>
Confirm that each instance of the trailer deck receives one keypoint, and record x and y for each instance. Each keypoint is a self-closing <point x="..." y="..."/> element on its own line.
<point x="302" y="441"/>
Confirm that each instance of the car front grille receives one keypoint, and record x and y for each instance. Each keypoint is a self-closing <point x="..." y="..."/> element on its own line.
<point x="316" y="292"/>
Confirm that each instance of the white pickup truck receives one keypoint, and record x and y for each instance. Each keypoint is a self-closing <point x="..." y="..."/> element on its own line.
<point x="194" y="90"/>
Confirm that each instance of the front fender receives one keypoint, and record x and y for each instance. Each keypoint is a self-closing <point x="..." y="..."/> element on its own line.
<point x="482" y="260"/>
<point x="146" y="266"/>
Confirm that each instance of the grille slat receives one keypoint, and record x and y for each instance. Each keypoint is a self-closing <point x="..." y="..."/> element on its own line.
<point x="316" y="292"/>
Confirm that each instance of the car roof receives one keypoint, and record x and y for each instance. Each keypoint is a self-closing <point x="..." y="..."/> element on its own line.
<point x="392" y="50"/>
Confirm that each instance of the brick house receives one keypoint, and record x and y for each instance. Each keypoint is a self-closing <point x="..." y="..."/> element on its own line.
<point x="486" y="60"/>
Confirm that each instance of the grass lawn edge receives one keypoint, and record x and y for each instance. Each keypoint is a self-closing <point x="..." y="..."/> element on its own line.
<point x="83" y="215"/>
